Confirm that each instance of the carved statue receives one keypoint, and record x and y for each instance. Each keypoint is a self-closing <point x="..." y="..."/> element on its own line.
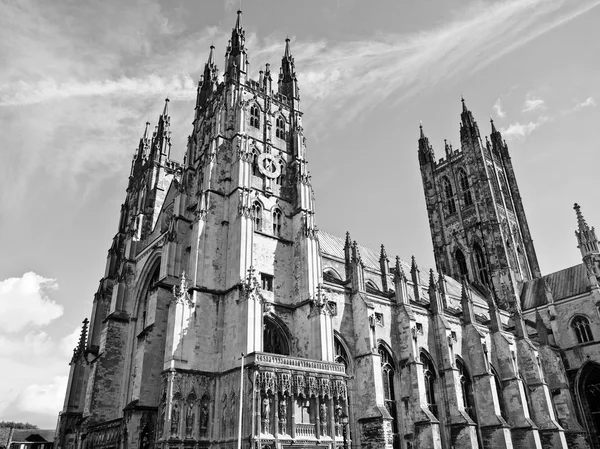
<point x="283" y="415"/>
<point x="189" y="420"/>
<point x="338" y="412"/>
<point x="204" y="416"/>
<point x="323" y="414"/>
<point x="266" y="413"/>
<point x="175" y="420"/>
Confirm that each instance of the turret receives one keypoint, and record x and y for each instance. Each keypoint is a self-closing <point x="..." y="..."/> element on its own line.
<point x="161" y="138"/>
<point x="288" y="83"/>
<point x="236" y="59"/>
<point x="469" y="130"/>
<point x="208" y="81"/>
<point x="426" y="155"/>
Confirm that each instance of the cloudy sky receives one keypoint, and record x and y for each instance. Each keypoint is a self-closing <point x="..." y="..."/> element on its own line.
<point x="79" y="78"/>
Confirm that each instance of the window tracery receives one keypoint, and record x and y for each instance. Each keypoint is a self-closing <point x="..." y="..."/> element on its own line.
<point x="482" y="270"/>
<point x="255" y="116"/>
<point x="464" y="186"/>
<point x="449" y="194"/>
<point x="274" y="340"/>
<point x="387" y="373"/>
<point x="257" y="215"/>
<point x="280" y="127"/>
<point x="277" y="222"/>
<point x="583" y="332"/>
<point x="430" y="378"/>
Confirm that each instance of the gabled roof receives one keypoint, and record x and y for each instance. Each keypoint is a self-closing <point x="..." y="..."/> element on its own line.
<point x="563" y="284"/>
<point x="33" y="435"/>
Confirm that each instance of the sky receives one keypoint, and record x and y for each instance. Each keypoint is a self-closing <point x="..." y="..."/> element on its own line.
<point x="80" y="78"/>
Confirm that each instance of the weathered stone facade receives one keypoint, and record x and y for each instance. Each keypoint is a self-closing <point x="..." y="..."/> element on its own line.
<point x="225" y="318"/>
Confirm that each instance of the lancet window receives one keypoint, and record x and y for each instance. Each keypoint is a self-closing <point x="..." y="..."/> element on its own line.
<point x="466" y="388"/>
<point x="482" y="269"/>
<point x="340" y="353"/>
<point x="387" y="372"/>
<point x="464" y="186"/>
<point x="255" y="116"/>
<point x="257" y="216"/>
<point x="280" y="128"/>
<point x="461" y="262"/>
<point x="581" y="326"/>
<point x="429" y="377"/>
<point x="449" y="195"/>
<point x="277" y="222"/>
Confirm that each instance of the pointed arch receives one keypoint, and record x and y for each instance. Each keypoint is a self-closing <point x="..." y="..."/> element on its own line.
<point x="257" y="212"/>
<point x="464" y="187"/>
<point x="580" y="325"/>
<point x="255" y="115"/>
<point x="372" y="287"/>
<point x="255" y="169"/>
<point x="275" y="337"/>
<point x="481" y="264"/>
<point x="461" y="263"/>
<point x="282" y="171"/>
<point x="280" y="126"/>
<point x="449" y="196"/>
<point x="277" y="220"/>
<point x="587" y="391"/>
<point x="341" y="351"/>
<point x="499" y="391"/>
<point x="466" y="387"/>
<point x="330" y="274"/>
<point x="388" y="372"/>
<point x="430" y="378"/>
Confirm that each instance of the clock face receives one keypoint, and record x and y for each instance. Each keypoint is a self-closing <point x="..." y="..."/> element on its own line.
<point x="268" y="166"/>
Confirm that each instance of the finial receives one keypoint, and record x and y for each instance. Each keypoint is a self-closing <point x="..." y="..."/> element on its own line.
<point x="146" y="130"/>
<point x="383" y="253"/>
<point x="211" y="55"/>
<point x="287" y="53"/>
<point x="493" y="126"/>
<point x="431" y="278"/>
<point x="464" y="106"/>
<point x="413" y="264"/>
<point x="421" y="130"/>
<point x="166" y="109"/>
<point x="582" y="224"/>
<point x="238" y="22"/>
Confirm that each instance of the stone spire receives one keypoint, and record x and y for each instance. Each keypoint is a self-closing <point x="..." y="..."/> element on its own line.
<point x="79" y="350"/>
<point x="587" y="242"/>
<point x="469" y="127"/>
<point x="426" y="154"/>
<point x="236" y="60"/>
<point x="208" y="81"/>
<point x="288" y="83"/>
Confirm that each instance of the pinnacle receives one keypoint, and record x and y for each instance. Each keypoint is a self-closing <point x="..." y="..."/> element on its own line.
<point x="238" y="22"/>
<point x="166" y="109"/>
<point x="581" y="223"/>
<point x="288" y="52"/>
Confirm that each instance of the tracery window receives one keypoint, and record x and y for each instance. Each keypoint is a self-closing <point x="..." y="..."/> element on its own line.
<point x="340" y="353"/>
<point x="280" y="128"/>
<point x="466" y="387"/>
<point x="277" y="222"/>
<point x="274" y="340"/>
<point x="255" y="116"/>
<point x="429" y="377"/>
<point x="482" y="270"/>
<point x="581" y="326"/>
<point x="387" y="372"/>
<point x="257" y="216"/>
<point x="449" y="195"/>
<point x="464" y="186"/>
<point x="461" y="261"/>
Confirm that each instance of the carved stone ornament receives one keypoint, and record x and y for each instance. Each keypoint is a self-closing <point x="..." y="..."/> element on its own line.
<point x="251" y="287"/>
<point x="320" y="303"/>
<point x="180" y="293"/>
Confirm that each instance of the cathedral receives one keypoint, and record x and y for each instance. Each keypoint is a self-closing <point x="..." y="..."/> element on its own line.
<point x="226" y="319"/>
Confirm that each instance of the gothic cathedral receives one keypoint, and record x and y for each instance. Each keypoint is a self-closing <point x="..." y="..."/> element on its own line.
<point x="226" y="319"/>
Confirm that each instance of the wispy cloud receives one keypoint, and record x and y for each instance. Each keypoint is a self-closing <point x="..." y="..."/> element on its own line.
<point x="589" y="102"/>
<point x="519" y="130"/>
<point x="498" y="109"/>
<point x="533" y="103"/>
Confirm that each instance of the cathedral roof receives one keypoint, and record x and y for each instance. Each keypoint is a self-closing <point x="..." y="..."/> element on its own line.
<point x="333" y="246"/>
<point x="563" y="284"/>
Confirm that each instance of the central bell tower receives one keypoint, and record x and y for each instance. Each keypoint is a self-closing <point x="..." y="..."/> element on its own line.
<point x="476" y="216"/>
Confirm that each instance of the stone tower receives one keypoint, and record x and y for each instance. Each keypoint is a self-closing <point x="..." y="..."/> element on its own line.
<point x="215" y="266"/>
<point x="478" y="224"/>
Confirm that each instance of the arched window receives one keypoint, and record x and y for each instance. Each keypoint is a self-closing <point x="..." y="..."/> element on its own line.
<point x="466" y="388"/>
<point x="150" y="290"/>
<point x="387" y="372"/>
<point x="581" y="326"/>
<point x="449" y="195"/>
<point x="257" y="216"/>
<point x="255" y="116"/>
<point x="371" y="287"/>
<point x="429" y="377"/>
<point x="499" y="392"/>
<point x="281" y="176"/>
<point x="461" y="262"/>
<point x="588" y="392"/>
<point x="255" y="170"/>
<point x="330" y="275"/>
<point x="277" y="222"/>
<point x="464" y="186"/>
<point x="280" y="127"/>
<point x="341" y="356"/>
<point x="274" y="339"/>
<point x="482" y="270"/>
